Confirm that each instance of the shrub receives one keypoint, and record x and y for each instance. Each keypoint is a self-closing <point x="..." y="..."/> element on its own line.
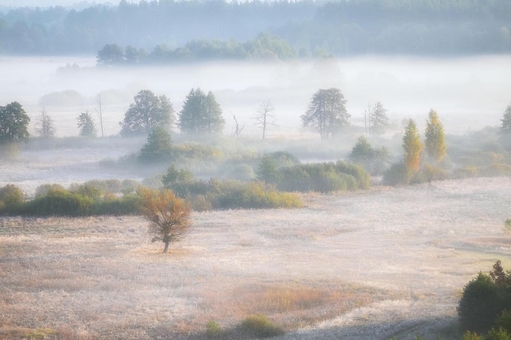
<point x="213" y="329"/>
<point x="59" y="202"/>
<point x="260" y="326"/>
<point x="10" y="197"/>
<point x="496" y="169"/>
<point x="507" y="224"/>
<point x="498" y="334"/>
<point x="481" y="303"/>
<point x="43" y="189"/>
<point x="504" y="321"/>
<point x="466" y="172"/>
<point x="397" y="174"/>
<point x="471" y="336"/>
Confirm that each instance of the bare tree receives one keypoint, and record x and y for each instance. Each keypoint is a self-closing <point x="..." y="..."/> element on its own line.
<point x="239" y="129"/>
<point x="99" y="112"/>
<point x="265" y="116"/>
<point x="169" y="215"/>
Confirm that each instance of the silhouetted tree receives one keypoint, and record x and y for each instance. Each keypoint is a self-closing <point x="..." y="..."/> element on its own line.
<point x="110" y="54"/>
<point x="326" y="113"/>
<point x="158" y="146"/>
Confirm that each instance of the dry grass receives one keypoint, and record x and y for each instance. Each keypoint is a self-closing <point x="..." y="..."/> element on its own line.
<point x="346" y="261"/>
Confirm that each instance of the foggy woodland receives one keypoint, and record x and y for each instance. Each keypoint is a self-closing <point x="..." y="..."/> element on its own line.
<point x="245" y="170"/>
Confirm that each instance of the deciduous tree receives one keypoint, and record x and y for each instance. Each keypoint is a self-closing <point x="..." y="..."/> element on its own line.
<point x="265" y="116"/>
<point x="147" y="112"/>
<point x="435" y="138"/>
<point x="110" y="54"/>
<point x="326" y="113"/>
<point x="158" y="146"/>
<point x="169" y="215"/>
<point x="412" y="146"/>
<point x="13" y="123"/>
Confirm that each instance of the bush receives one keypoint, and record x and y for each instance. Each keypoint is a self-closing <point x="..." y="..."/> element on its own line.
<point x="466" y="172"/>
<point x="397" y="174"/>
<point x="10" y="197"/>
<point x="482" y="301"/>
<point x="43" y="189"/>
<point x="58" y="202"/>
<point x="323" y="177"/>
<point x="260" y="326"/>
<point x="504" y="321"/>
<point x="213" y="329"/>
<point x="471" y="336"/>
<point x="497" y="334"/>
<point x="496" y="169"/>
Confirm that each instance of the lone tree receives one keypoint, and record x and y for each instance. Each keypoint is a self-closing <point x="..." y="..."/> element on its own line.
<point x="13" y="123"/>
<point x="265" y="116"/>
<point x="412" y="146"/>
<point x="326" y="113"/>
<point x="201" y="114"/>
<point x="378" y="118"/>
<point x="86" y="125"/>
<point x="45" y="127"/>
<point x="158" y="146"/>
<point x="147" y="112"/>
<point x="169" y="215"/>
<point x="506" y="120"/>
<point x="435" y="138"/>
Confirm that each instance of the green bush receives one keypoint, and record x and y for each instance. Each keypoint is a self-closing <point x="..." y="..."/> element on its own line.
<point x="471" y="336"/>
<point x="496" y="169"/>
<point x="213" y="330"/>
<point x="482" y="301"/>
<point x="323" y="177"/>
<point x="10" y="198"/>
<point x="397" y="174"/>
<point x="58" y="202"/>
<point x="260" y="326"/>
<point x="497" y="334"/>
<point x="504" y="321"/>
<point x="43" y="189"/>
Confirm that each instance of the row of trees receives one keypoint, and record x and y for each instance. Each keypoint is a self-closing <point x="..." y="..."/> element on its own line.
<point x="265" y="46"/>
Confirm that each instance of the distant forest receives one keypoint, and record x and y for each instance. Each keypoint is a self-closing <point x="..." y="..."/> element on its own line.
<point x="341" y="28"/>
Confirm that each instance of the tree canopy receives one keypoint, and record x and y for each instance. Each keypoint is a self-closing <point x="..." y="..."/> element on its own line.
<point x="326" y="113"/>
<point x="412" y="146"/>
<point x="86" y="125"/>
<point x="435" y="137"/>
<point x="13" y="123"/>
<point x="506" y="120"/>
<point x="147" y="112"/>
<point x="201" y="114"/>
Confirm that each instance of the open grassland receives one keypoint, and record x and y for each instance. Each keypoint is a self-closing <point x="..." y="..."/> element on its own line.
<point x="363" y="265"/>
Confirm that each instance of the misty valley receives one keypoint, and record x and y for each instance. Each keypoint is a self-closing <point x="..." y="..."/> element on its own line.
<point x="247" y="170"/>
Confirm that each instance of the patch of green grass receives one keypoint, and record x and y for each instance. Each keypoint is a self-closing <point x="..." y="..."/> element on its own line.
<point x="213" y="330"/>
<point x="260" y="326"/>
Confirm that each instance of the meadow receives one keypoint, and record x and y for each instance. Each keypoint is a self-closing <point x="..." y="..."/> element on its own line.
<point x="363" y="265"/>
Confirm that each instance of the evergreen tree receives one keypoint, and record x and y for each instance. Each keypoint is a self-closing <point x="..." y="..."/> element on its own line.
<point x="412" y="146"/>
<point x="378" y="118"/>
<point x="158" y="146"/>
<point x="326" y="113"/>
<point x="435" y="138"/>
<point x="506" y="120"/>
<point x="201" y="114"/>
<point x="86" y="125"/>
<point x="45" y="128"/>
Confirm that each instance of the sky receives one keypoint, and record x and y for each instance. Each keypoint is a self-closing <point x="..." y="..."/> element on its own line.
<point x="48" y="3"/>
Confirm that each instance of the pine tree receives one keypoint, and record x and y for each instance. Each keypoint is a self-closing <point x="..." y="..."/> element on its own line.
<point x="435" y="138"/>
<point x="87" y="125"/>
<point x="412" y="146"/>
<point x="201" y="114"/>
<point x="45" y="128"/>
<point x="506" y="120"/>
<point x="378" y="118"/>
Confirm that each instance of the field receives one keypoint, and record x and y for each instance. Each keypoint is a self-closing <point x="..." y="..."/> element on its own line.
<point x="365" y="265"/>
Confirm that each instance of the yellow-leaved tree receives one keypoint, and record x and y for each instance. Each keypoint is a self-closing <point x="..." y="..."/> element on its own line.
<point x="435" y="138"/>
<point x="412" y="146"/>
<point x="169" y="215"/>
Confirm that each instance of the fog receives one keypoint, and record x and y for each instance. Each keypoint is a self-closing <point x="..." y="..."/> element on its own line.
<point x="468" y="93"/>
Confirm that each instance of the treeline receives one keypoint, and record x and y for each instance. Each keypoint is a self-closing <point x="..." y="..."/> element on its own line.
<point x="265" y="46"/>
<point x="419" y="27"/>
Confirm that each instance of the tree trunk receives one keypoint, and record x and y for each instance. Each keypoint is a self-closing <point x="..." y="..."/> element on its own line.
<point x="166" y="247"/>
